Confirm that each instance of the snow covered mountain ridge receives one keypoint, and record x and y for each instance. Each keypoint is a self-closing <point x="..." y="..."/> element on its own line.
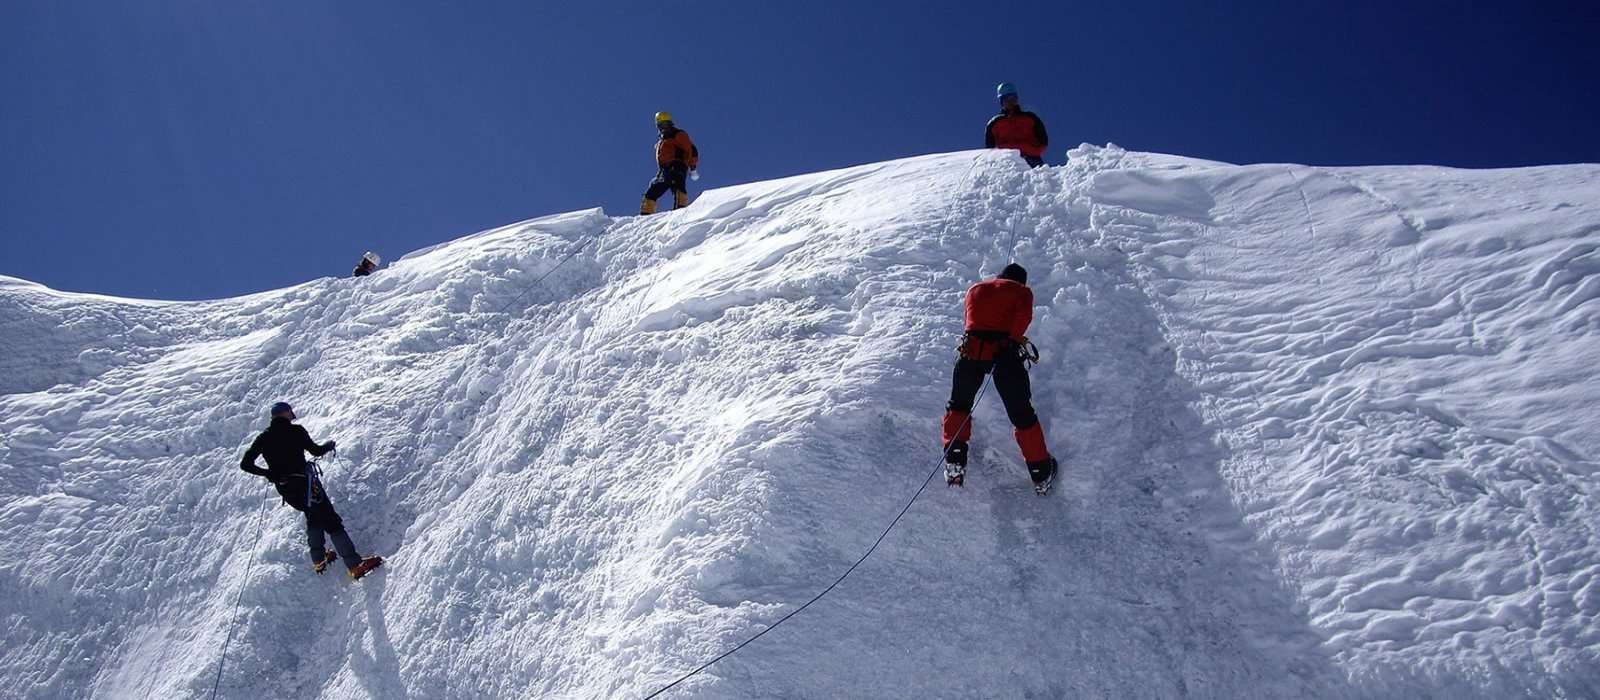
<point x="1325" y="432"/>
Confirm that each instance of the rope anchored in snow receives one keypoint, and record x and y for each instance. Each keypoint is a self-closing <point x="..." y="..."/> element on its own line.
<point x="937" y="468"/>
<point x="1010" y="245"/>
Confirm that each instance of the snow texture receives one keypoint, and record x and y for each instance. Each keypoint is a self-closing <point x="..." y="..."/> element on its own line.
<point x="1325" y="432"/>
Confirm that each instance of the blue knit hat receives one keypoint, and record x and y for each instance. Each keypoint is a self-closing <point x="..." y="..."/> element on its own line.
<point x="281" y="408"/>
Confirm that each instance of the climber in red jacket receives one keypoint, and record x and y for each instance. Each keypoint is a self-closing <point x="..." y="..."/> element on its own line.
<point x="998" y="313"/>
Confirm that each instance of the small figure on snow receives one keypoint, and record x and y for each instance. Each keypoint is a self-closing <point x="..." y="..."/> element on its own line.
<point x="676" y="158"/>
<point x="1016" y="128"/>
<point x="369" y="264"/>
<point x="998" y="312"/>
<point x="284" y="444"/>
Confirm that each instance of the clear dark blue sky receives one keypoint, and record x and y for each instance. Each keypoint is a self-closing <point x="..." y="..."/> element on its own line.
<point x="188" y="149"/>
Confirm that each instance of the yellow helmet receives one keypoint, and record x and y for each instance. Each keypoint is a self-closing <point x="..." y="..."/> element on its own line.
<point x="662" y="117"/>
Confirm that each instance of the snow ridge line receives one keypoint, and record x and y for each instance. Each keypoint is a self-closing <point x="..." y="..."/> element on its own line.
<point x="936" y="467"/>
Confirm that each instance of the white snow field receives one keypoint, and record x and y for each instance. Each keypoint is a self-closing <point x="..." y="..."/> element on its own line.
<point x="1326" y="433"/>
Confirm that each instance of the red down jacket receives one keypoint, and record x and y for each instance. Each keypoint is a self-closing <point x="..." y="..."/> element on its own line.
<point x="998" y="310"/>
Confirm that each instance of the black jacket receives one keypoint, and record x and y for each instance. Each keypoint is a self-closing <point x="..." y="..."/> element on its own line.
<point x="284" y="444"/>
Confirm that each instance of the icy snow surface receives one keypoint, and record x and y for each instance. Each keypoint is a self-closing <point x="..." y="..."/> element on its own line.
<point x="1327" y="432"/>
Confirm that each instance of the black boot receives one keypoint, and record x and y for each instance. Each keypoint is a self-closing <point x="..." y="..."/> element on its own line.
<point x="955" y="463"/>
<point x="1043" y="473"/>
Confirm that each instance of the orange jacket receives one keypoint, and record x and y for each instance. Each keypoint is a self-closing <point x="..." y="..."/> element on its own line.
<point x="1000" y="306"/>
<point x="675" y="146"/>
<point x="1021" y="130"/>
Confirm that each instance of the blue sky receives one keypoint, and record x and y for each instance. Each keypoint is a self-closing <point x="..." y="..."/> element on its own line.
<point x="186" y="149"/>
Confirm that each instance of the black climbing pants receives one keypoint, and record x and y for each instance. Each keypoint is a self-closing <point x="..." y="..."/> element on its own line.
<point x="1010" y="379"/>
<point x="304" y="493"/>
<point x="672" y="176"/>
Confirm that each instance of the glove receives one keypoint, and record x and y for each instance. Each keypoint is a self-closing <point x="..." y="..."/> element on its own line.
<point x="329" y="445"/>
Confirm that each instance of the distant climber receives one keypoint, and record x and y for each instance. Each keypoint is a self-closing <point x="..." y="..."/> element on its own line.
<point x="676" y="157"/>
<point x="998" y="312"/>
<point x="1016" y="128"/>
<point x="299" y="483"/>
<point x="369" y="264"/>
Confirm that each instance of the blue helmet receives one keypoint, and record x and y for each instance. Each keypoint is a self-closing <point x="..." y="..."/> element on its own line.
<point x="1004" y="89"/>
<point x="281" y="407"/>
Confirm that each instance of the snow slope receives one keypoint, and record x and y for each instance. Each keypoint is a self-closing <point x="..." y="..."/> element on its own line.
<point x="1327" y="432"/>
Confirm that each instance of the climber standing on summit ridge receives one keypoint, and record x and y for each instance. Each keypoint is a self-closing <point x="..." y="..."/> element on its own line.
<point x="1016" y="128"/>
<point x="998" y="313"/>
<point x="676" y="157"/>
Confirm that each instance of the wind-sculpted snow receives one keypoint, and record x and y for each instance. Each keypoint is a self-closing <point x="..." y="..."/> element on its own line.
<point x="1326" y="432"/>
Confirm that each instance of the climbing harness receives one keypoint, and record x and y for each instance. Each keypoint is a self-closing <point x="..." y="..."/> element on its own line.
<point x="1028" y="352"/>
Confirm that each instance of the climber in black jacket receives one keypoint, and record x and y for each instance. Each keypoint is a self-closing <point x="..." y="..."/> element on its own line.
<point x="284" y="444"/>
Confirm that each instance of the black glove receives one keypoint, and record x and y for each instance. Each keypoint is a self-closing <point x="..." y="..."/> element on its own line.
<point x="329" y="445"/>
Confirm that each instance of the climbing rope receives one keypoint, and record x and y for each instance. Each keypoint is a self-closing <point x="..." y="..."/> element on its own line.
<point x="549" y="272"/>
<point x="825" y="591"/>
<point x="1011" y="245"/>
<point x="234" y="618"/>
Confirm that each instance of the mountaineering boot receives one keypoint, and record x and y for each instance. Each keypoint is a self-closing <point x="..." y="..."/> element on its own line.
<point x="956" y="429"/>
<point x="680" y="200"/>
<point x="327" y="558"/>
<point x="1043" y="473"/>
<point x="366" y="565"/>
<point x="955" y="452"/>
<point x="955" y="463"/>
<point x="647" y="207"/>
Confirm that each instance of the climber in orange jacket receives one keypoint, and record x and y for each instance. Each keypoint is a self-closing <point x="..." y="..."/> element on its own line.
<point x="998" y="312"/>
<point x="676" y="157"/>
<point x="1016" y="128"/>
